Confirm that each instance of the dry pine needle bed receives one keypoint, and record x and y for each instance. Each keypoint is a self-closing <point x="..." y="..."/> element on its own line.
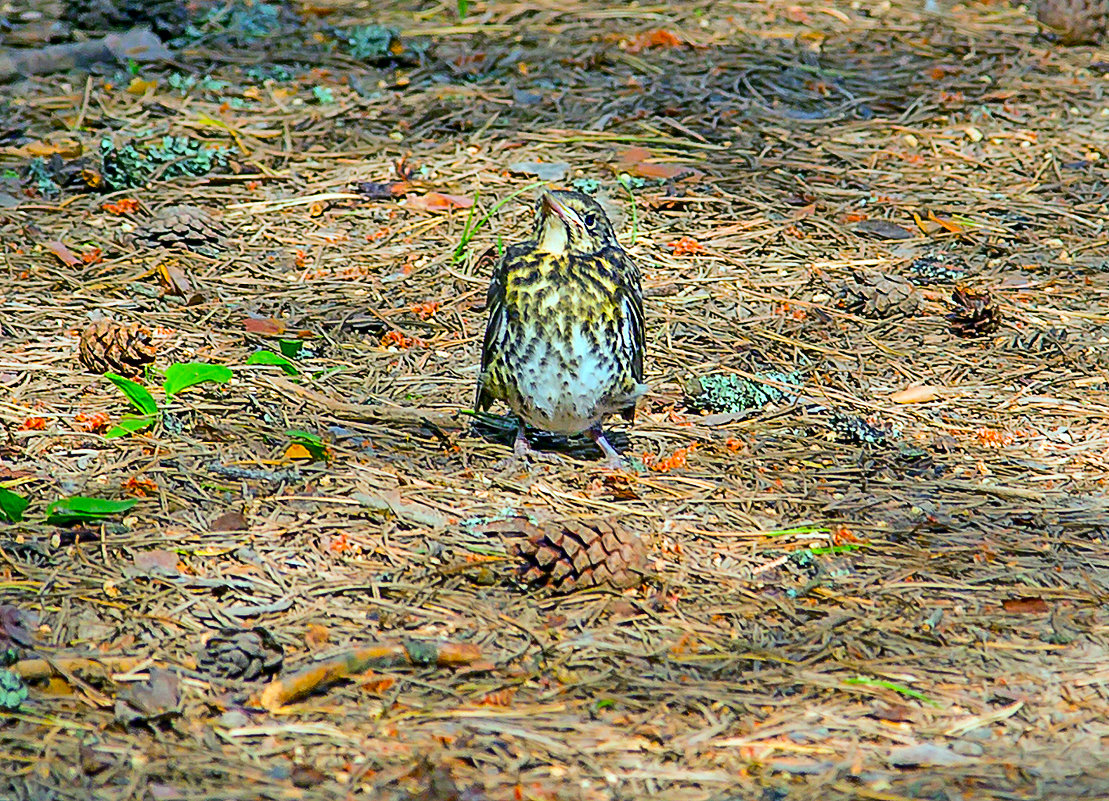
<point x="256" y="545"/>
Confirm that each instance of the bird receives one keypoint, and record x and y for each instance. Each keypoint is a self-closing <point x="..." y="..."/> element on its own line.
<point x="564" y="342"/>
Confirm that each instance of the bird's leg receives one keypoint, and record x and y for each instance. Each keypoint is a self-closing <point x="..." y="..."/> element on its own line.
<point x="523" y="454"/>
<point x="612" y="458"/>
<point x="521" y="448"/>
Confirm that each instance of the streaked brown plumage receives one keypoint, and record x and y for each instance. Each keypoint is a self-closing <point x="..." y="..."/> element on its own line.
<point x="564" y="342"/>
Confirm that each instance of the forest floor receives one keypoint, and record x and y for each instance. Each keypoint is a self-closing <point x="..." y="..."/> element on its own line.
<point x="886" y="581"/>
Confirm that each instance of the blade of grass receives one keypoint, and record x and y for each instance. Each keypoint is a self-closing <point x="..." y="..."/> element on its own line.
<point x="469" y="232"/>
<point x="890" y="685"/>
<point x="635" y="212"/>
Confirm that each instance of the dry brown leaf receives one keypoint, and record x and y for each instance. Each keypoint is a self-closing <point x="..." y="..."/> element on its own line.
<point x="174" y="279"/>
<point x="266" y="326"/>
<point x="634" y="161"/>
<point x="229" y="521"/>
<point x="140" y="87"/>
<point x="317" y="635"/>
<point x="659" y="37"/>
<point x="916" y="395"/>
<point x="1025" y="606"/>
<point x="296" y="452"/>
<point x="64" y="254"/>
<point x="66" y="148"/>
<point x="438" y="201"/>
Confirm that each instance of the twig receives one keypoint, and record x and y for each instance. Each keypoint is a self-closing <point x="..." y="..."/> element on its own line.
<point x="371" y="412"/>
<point x="35" y="669"/>
<point x="280" y="692"/>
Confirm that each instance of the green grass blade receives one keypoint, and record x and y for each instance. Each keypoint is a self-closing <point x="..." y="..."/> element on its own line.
<point x="890" y="685"/>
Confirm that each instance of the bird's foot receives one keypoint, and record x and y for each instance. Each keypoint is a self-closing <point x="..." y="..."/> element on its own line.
<point x="613" y="459"/>
<point x="524" y="455"/>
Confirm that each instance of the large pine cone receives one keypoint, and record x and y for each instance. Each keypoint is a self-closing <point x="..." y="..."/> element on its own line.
<point x="110" y="347"/>
<point x="182" y="228"/>
<point x="571" y="555"/>
<point x="878" y="295"/>
<point x="975" y="314"/>
<point x="1075" y="21"/>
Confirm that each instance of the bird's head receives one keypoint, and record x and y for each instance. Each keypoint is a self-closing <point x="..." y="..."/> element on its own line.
<point x="570" y="222"/>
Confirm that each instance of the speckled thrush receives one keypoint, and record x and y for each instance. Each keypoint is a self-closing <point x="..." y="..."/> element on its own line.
<point x="564" y="343"/>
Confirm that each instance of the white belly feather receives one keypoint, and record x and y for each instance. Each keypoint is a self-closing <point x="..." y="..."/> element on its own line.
<point x="566" y="387"/>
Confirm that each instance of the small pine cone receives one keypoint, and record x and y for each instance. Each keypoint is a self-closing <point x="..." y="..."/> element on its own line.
<point x="182" y="228"/>
<point x="241" y="653"/>
<point x="878" y="295"/>
<point x="573" y="555"/>
<point x="975" y="314"/>
<point x="1075" y="21"/>
<point x="110" y="347"/>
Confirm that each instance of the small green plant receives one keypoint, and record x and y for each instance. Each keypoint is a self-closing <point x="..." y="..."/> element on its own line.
<point x="463" y="7"/>
<point x="291" y="348"/>
<point x="471" y="228"/>
<point x="310" y="442"/>
<point x="269" y="357"/>
<point x="78" y="509"/>
<point x="141" y="399"/>
<point x="63" y="511"/>
<point x="178" y="377"/>
<point x="188" y="374"/>
<point x="12" y="506"/>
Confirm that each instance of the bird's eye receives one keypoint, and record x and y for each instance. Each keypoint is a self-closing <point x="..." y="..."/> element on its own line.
<point x="589" y="220"/>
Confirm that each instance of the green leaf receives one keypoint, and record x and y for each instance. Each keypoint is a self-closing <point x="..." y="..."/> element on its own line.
<point x="291" y="347"/>
<point x="463" y="7"/>
<point x="183" y="376"/>
<point x="140" y="398"/>
<point x="73" y="510"/>
<point x="130" y="424"/>
<point x="269" y="357"/>
<point x="12" y="505"/>
<point x="310" y="442"/>
<point x="304" y="437"/>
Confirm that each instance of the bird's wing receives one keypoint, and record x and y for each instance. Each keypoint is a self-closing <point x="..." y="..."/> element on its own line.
<point x="629" y="294"/>
<point x="494" y="329"/>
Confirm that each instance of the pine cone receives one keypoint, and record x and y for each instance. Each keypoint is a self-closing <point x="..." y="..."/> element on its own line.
<point x="878" y="295"/>
<point x="574" y="554"/>
<point x="241" y="653"/>
<point x="182" y="228"/>
<point x="1075" y="21"/>
<point x="975" y="314"/>
<point x="107" y="346"/>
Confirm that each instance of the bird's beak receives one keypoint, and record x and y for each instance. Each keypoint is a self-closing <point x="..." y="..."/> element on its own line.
<point x="552" y="206"/>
